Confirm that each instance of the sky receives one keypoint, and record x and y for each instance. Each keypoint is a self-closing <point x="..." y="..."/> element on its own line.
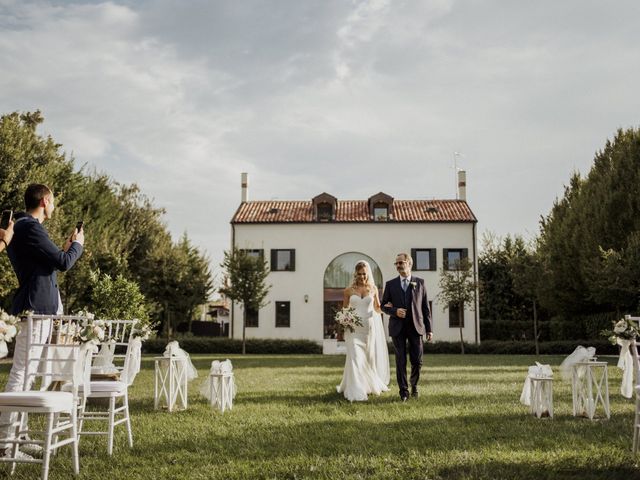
<point x="337" y="96"/>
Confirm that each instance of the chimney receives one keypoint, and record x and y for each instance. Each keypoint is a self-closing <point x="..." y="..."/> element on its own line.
<point x="245" y="186"/>
<point x="462" y="185"/>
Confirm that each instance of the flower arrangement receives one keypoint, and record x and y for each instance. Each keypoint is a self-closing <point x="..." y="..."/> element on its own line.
<point x="348" y="319"/>
<point x="624" y="329"/>
<point x="8" y="326"/>
<point x="92" y="331"/>
<point x="143" y="331"/>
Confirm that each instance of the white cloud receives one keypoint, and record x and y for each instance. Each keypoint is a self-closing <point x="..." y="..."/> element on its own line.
<point x="351" y="98"/>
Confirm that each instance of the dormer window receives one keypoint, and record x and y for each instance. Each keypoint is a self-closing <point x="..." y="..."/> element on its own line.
<point x="381" y="212"/>
<point x="324" y="207"/>
<point x="325" y="212"/>
<point x="380" y="207"/>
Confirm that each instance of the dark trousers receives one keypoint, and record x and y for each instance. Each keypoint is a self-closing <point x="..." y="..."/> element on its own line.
<point x="414" y="340"/>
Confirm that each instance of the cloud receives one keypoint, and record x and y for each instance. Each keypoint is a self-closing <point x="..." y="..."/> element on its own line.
<point x="346" y="97"/>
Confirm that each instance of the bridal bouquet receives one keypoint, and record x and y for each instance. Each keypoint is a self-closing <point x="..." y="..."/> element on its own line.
<point x="624" y="329"/>
<point x="348" y="319"/>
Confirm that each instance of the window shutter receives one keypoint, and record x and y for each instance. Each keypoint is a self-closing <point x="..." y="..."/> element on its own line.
<point x="274" y="259"/>
<point x="414" y="257"/>
<point x="464" y="253"/>
<point x="445" y="258"/>
<point x="432" y="260"/>
<point x="292" y="265"/>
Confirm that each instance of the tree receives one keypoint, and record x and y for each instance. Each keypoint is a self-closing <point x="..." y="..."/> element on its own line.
<point x="117" y="298"/>
<point x="246" y="275"/>
<point x="499" y="300"/>
<point x="527" y="274"/>
<point x="589" y="240"/>
<point x="124" y="232"/>
<point x="457" y="287"/>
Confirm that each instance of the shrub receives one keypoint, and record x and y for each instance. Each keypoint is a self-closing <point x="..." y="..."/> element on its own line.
<point x="228" y="345"/>
<point x="497" y="347"/>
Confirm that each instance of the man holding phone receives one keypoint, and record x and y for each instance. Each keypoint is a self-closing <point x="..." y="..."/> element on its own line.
<point x="35" y="260"/>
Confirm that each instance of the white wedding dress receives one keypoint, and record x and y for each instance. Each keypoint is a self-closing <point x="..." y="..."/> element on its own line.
<point x="366" y="368"/>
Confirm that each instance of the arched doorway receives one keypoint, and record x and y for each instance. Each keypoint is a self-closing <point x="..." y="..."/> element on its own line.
<point x="337" y="276"/>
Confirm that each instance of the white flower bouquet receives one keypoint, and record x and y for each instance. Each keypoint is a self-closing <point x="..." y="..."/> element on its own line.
<point x="142" y="331"/>
<point x="92" y="331"/>
<point x="348" y="319"/>
<point x="624" y="329"/>
<point x="8" y="326"/>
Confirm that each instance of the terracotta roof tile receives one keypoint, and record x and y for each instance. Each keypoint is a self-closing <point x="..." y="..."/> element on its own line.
<point x="300" y="211"/>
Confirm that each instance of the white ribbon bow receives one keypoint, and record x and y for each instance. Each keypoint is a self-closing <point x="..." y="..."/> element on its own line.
<point x="580" y="354"/>
<point x="537" y="371"/>
<point x="625" y="363"/>
<point x="174" y="350"/>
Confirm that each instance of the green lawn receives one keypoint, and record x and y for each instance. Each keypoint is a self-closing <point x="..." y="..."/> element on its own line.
<point x="288" y="422"/>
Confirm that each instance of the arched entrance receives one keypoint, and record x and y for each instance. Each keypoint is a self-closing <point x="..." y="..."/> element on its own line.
<point x="337" y="276"/>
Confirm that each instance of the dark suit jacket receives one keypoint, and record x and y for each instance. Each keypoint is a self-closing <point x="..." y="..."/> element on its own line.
<point x="35" y="259"/>
<point x="415" y="301"/>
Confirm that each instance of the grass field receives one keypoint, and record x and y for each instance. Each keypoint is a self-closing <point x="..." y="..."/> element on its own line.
<point x="288" y="422"/>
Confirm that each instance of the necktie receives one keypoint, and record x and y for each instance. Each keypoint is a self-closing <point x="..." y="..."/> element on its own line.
<point x="404" y="284"/>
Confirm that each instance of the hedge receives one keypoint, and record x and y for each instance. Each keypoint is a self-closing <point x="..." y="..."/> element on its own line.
<point x="228" y="345"/>
<point x="297" y="347"/>
<point x="497" y="347"/>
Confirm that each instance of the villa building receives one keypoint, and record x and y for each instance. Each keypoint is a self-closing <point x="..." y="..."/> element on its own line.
<point x="313" y="245"/>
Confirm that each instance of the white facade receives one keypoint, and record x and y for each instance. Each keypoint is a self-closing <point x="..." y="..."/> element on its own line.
<point x="316" y="244"/>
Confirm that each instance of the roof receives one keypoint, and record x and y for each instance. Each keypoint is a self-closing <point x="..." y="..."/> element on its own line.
<point x="354" y="211"/>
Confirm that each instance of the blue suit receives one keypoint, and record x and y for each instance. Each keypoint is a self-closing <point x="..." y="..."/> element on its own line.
<point x="409" y="329"/>
<point x="35" y="259"/>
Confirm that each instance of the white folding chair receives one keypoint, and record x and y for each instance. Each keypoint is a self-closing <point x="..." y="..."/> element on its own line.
<point x="119" y="359"/>
<point x="51" y="355"/>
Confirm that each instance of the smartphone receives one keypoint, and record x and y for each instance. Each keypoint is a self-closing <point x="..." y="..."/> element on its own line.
<point x="7" y="215"/>
<point x="79" y="226"/>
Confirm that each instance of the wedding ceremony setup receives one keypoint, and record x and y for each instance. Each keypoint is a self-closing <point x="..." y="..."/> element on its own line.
<point x="284" y="240"/>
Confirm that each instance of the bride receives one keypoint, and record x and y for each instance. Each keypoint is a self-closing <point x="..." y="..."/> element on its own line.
<point x="366" y="368"/>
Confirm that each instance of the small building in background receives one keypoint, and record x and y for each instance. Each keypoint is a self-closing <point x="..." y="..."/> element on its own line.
<point x="312" y="247"/>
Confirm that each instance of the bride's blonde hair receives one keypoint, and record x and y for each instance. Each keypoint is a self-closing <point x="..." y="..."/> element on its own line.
<point x="369" y="284"/>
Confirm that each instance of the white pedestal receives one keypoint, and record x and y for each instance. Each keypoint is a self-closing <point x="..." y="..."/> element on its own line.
<point x="541" y="396"/>
<point x="222" y="386"/>
<point x="170" y="386"/>
<point x="590" y="386"/>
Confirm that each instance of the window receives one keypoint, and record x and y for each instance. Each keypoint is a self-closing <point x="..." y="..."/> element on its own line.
<point x="325" y="212"/>
<point x="255" y="253"/>
<point x="452" y="257"/>
<point x="454" y="318"/>
<point x="252" y="318"/>
<point x="283" y="314"/>
<point x="283" y="260"/>
<point x="381" y="212"/>
<point x="424" y="258"/>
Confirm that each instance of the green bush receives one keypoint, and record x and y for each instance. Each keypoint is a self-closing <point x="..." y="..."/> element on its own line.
<point x="228" y="345"/>
<point x="497" y="347"/>
<point x="117" y="298"/>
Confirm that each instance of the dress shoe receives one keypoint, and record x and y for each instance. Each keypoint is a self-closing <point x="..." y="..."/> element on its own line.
<point x="404" y="398"/>
<point x="414" y="393"/>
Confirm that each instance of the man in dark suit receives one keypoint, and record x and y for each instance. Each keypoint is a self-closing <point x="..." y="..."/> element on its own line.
<point x="405" y="301"/>
<point x="35" y="259"/>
